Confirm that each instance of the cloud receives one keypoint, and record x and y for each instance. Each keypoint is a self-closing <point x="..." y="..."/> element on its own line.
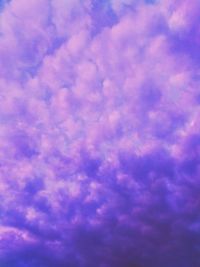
<point x="99" y="133"/>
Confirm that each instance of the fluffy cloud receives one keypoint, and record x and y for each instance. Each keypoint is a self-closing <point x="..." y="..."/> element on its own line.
<point x="99" y="133"/>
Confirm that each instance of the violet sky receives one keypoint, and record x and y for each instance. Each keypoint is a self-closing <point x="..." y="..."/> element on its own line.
<point x="100" y="133"/>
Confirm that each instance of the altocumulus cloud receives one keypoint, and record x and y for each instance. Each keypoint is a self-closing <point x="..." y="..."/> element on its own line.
<point x="99" y="133"/>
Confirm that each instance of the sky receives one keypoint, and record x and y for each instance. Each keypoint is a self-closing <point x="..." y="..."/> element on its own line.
<point x="100" y="133"/>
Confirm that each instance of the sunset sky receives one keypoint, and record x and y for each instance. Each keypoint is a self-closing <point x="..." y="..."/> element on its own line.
<point x="100" y="133"/>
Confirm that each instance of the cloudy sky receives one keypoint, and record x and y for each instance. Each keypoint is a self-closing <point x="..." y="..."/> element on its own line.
<point x="100" y="133"/>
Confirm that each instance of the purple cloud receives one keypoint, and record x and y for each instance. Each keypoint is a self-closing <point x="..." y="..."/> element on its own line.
<point x="99" y="133"/>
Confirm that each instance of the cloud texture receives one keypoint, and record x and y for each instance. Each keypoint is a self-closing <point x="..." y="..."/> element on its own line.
<point x="99" y="133"/>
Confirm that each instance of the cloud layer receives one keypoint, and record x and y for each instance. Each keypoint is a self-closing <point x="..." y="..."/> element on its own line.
<point x="99" y="133"/>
